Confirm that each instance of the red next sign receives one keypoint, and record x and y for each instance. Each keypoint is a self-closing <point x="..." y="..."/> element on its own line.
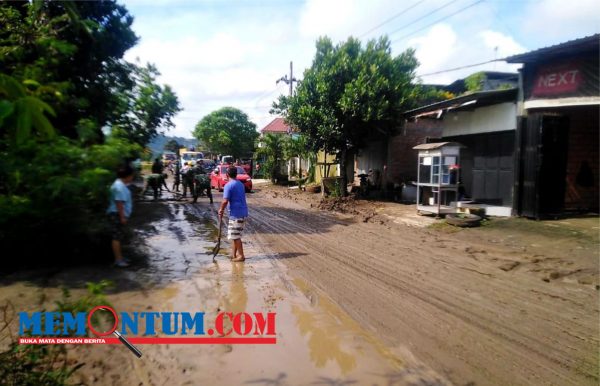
<point x="556" y="80"/>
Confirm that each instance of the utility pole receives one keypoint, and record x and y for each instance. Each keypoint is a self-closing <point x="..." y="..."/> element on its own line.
<point x="289" y="80"/>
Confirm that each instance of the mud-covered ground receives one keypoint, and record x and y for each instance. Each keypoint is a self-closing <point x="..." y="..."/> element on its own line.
<point x="512" y="302"/>
<point x="372" y="296"/>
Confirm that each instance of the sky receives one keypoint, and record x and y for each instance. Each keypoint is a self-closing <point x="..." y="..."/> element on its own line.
<point x="217" y="53"/>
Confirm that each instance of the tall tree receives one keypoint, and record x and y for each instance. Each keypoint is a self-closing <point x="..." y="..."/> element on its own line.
<point x="227" y="131"/>
<point x="146" y="107"/>
<point x="172" y="145"/>
<point x="73" y="49"/>
<point x="349" y="94"/>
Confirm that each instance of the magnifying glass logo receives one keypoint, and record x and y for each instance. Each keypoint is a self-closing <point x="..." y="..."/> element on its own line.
<point x="112" y="329"/>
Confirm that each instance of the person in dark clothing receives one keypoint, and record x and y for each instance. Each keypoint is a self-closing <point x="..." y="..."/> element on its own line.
<point x="176" y="177"/>
<point x="201" y="182"/>
<point x="187" y="176"/>
<point x="157" y="166"/>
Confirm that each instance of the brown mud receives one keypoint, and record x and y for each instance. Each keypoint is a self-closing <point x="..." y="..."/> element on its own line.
<point x="512" y="302"/>
<point x="317" y="341"/>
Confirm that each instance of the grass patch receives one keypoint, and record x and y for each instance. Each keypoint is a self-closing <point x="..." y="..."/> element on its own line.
<point x="442" y="226"/>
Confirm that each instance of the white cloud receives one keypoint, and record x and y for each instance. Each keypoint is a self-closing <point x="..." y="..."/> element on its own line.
<point x="504" y="45"/>
<point x="230" y="53"/>
<point x="441" y="48"/>
<point x="560" y="20"/>
<point x="434" y="49"/>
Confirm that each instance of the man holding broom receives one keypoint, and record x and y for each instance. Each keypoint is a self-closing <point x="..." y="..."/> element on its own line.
<point x="234" y="195"/>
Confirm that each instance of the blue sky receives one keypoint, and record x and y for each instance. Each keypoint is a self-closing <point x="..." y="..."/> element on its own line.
<point x="217" y="53"/>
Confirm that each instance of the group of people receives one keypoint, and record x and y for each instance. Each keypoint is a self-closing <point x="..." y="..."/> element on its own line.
<point x="121" y="206"/>
<point x="192" y="177"/>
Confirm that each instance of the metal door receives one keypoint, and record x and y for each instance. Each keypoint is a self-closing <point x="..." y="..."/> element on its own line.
<point x="542" y="156"/>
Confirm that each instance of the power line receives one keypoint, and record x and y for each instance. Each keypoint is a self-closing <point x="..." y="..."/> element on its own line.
<point x="462" y="67"/>
<point x="265" y="94"/>
<point x="439" y="20"/>
<point x="423" y="17"/>
<point x="392" y="18"/>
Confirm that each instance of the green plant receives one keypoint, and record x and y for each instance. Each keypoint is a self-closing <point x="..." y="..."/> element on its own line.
<point x="272" y="150"/>
<point x="350" y="94"/>
<point x="474" y="82"/>
<point x="227" y="131"/>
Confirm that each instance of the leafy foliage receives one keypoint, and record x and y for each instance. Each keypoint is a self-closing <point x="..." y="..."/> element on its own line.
<point x="146" y="107"/>
<point x="62" y="81"/>
<point x="69" y="54"/>
<point x="474" y="82"/>
<point x="74" y="50"/>
<point x="350" y="94"/>
<point x="56" y="191"/>
<point x="172" y="145"/>
<point x="272" y="150"/>
<point x="21" y="115"/>
<point x="227" y="131"/>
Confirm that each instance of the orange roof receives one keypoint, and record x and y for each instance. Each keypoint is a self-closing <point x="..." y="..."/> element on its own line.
<point x="277" y="125"/>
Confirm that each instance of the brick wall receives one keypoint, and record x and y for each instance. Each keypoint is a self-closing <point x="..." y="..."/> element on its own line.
<point x="402" y="158"/>
<point x="583" y="148"/>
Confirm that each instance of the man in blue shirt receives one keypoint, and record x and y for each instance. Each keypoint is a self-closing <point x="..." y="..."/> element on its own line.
<point x="234" y="194"/>
<point x="119" y="210"/>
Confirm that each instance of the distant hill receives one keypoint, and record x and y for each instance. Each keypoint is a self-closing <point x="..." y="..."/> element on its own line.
<point x="157" y="145"/>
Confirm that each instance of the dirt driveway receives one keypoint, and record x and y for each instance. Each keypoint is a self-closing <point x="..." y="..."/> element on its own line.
<point x="500" y="305"/>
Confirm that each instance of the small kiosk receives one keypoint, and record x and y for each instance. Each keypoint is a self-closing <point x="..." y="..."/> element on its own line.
<point x="438" y="177"/>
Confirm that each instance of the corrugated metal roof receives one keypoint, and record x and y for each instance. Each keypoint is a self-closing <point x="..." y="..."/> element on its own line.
<point x="436" y="145"/>
<point x="581" y="45"/>
<point x="476" y="99"/>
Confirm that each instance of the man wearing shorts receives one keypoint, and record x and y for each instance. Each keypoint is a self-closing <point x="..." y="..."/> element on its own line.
<point x="234" y="194"/>
<point x="119" y="211"/>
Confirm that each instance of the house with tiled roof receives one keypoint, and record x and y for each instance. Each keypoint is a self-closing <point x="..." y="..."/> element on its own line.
<point x="295" y="166"/>
<point x="276" y="126"/>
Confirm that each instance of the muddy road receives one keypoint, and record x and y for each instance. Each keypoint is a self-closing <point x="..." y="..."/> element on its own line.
<point x="317" y="342"/>
<point x="478" y="308"/>
<point x="360" y="299"/>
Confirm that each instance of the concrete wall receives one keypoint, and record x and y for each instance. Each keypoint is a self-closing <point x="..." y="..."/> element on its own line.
<point x="319" y="169"/>
<point x="500" y="117"/>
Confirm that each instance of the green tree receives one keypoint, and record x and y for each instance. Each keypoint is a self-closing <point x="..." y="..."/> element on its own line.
<point x="227" y="131"/>
<point x="22" y="116"/>
<point x="474" y="82"/>
<point x="146" y="107"/>
<point x="350" y="94"/>
<point x="75" y="50"/>
<point x="272" y="150"/>
<point x="172" y="145"/>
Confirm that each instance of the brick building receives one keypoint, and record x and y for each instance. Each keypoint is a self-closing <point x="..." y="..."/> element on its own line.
<point x="557" y="135"/>
<point x="402" y="159"/>
<point x="531" y="151"/>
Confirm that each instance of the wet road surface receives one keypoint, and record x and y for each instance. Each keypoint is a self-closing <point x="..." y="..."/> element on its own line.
<point x="317" y="342"/>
